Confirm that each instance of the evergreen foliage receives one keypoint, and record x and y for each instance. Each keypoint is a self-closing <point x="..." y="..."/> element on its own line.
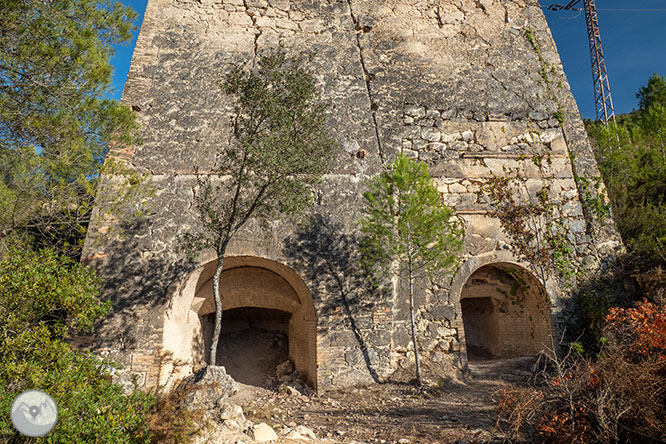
<point x="408" y="229"/>
<point x="56" y="126"/>
<point x="653" y="93"/>
<point x="632" y="158"/>
<point x="55" y="122"/>
<point x="44" y="299"/>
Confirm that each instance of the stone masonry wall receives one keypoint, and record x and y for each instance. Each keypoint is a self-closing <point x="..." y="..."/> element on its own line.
<point x="471" y="87"/>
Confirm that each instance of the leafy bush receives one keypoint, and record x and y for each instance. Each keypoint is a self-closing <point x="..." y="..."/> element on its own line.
<point x="44" y="298"/>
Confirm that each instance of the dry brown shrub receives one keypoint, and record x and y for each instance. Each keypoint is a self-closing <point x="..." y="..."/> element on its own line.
<point x="619" y="397"/>
<point x="171" y="422"/>
<point x="518" y="411"/>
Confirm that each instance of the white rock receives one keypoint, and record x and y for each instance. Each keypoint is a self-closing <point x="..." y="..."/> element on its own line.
<point x="212" y="387"/>
<point x="306" y="432"/>
<point x="430" y="135"/>
<point x="445" y="332"/>
<point x="449" y="137"/>
<point x="240" y="18"/>
<point x="457" y="188"/>
<point x="296" y="436"/>
<point x="610" y="247"/>
<point x="282" y="5"/>
<point x="415" y="111"/>
<point x="265" y="22"/>
<point x="228" y="411"/>
<point x="231" y="424"/>
<point x="550" y="135"/>
<point x="263" y="433"/>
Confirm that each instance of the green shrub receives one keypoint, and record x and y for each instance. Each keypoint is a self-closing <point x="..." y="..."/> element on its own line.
<point x="632" y="159"/>
<point x="45" y="298"/>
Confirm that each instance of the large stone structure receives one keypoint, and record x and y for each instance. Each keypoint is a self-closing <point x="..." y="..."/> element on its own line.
<point x="472" y="87"/>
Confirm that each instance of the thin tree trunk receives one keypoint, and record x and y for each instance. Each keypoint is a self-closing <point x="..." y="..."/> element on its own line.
<point x="419" y="378"/>
<point x="218" y="308"/>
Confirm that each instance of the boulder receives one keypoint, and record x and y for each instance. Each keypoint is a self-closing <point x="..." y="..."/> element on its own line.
<point x="208" y="387"/>
<point x="306" y="432"/>
<point x="226" y="411"/>
<point x="295" y="436"/>
<point x="262" y="432"/>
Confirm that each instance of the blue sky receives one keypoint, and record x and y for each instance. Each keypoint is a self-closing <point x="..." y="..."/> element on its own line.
<point x="634" y="44"/>
<point x="123" y="55"/>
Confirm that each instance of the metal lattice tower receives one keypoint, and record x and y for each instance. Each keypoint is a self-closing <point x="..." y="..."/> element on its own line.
<point x="603" y="101"/>
<point x="602" y="93"/>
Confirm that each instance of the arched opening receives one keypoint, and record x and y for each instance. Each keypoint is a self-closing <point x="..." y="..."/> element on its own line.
<point x="505" y="313"/>
<point x="253" y="341"/>
<point x="267" y="317"/>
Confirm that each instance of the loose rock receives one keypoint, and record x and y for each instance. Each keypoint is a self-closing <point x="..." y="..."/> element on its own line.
<point x="209" y="387"/>
<point x="262" y="432"/>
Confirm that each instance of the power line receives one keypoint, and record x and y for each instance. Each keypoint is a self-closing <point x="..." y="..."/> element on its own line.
<point x="630" y="10"/>
<point x="559" y="7"/>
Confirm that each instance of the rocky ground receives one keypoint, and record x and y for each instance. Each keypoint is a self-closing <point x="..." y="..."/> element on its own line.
<point x="394" y="412"/>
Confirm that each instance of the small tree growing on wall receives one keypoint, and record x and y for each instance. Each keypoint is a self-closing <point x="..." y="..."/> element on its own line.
<point x="408" y="229"/>
<point x="279" y="150"/>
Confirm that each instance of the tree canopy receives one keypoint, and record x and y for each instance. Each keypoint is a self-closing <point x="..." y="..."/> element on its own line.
<point x="653" y="93"/>
<point x="279" y="151"/>
<point x="56" y="126"/>
<point x="56" y="121"/>
<point x="408" y="230"/>
<point x="632" y="158"/>
<point x="406" y="220"/>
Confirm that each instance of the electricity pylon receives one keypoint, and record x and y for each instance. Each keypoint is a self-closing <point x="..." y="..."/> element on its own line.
<point x="603" y="101"/>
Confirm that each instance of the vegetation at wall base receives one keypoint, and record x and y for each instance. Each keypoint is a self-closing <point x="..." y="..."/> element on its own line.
<point x="46" y="298"/>
<point x="619" y="396"/>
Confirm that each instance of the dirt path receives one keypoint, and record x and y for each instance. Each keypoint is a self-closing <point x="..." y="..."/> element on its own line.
<point x="391" y="412"/>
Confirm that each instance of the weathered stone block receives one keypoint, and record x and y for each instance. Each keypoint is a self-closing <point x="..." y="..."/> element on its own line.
<point x="440" y="312"/>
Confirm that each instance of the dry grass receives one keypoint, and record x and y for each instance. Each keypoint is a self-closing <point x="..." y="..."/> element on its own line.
<point x="618" y="397"/>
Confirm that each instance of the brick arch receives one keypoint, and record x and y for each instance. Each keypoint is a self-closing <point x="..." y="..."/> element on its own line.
<point x="246" y="281"/>
<point x="503" y="308"/>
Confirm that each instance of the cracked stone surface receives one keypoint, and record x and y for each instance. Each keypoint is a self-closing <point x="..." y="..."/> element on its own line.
<point x="471" y="87"/>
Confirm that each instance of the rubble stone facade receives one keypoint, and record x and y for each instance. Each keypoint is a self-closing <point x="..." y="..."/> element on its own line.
<point x="474" y="88"/>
